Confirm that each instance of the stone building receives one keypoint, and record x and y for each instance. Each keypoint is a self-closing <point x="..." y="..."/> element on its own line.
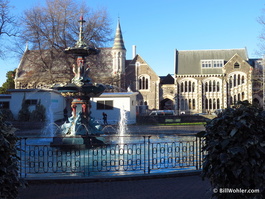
<point x="206" y="80"/>
<point x="38" y="70"/>
<point x="140" y="77"/>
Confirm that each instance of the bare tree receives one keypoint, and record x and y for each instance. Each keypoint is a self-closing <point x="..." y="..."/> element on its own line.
<point x="51" y="28"/>
<point x="7" y="22"/>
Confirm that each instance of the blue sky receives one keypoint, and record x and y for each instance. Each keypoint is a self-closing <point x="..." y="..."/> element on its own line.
<point x="157" y="28"/>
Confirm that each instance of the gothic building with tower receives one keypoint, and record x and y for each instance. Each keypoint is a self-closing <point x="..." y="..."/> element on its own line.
<point x="110" y="67"/>
<point x="204" y="80"/>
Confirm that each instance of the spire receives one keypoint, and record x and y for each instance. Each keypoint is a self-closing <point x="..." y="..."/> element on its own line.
<point x="118" y="41"/>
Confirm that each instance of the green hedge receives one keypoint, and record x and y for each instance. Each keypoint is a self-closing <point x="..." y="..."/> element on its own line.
<point x="235" y="147"/>
<point x="9" y="180"/>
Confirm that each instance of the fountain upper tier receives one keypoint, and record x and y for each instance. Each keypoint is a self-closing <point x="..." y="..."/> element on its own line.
<point x="81" y="85"/>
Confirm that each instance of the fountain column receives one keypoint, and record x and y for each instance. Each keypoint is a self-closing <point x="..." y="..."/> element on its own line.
<point x="80" y="90"/>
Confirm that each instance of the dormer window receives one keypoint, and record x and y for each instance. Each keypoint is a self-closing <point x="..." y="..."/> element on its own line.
<point x="213" y="63"/>
<point x="236" y="65"/>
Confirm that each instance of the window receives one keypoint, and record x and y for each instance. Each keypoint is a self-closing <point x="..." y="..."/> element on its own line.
<point x="236" y="65"/>
<point x="193" y="104"/>
<point x="218" y="87"/>
<point x="189" y="86"/>
<point x="206" y="63"/>
<point x="206" y="104"/>
<point x="105" y="105"/>
<point x="218" y="103"/>
<point x="182" y="87"/>
<point x="243" y="96"/>
<point x="206" y="87"/>
<point x="143" y="83"/>
<point x="215" y="63"/>
<point x="31" y="102"/>
<point x="4" y="105"/>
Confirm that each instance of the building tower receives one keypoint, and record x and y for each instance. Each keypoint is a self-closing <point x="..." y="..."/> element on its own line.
<point x="119" y="57"/>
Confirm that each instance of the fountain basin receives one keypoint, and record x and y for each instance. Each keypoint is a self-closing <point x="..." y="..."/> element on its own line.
<point x="77" y="141"/>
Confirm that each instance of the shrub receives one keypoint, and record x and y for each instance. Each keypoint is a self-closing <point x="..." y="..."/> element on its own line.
<point x="38" y="115"/>
<point x="9" y="181"/>
<point x="24" y="113"/>
<point x="235" y="148"/>
<point x="7" y="115"/>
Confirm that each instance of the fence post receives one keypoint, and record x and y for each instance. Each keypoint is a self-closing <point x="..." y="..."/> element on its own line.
<point x="147" y="154"/>
<point x="149" y="169"/>
<point x="197" y="153"/>
<point x="200" y="153"/>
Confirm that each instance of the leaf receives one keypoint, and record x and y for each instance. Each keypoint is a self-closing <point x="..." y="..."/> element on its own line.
<point x="223" y="157"/>
<point x="233" y="132"/>
<point x="237" y="172"/>
<point x="236" y="150"/>
<point x="262" y="144"/>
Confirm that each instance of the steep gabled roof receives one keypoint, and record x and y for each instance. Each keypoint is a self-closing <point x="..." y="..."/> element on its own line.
<point x="138" y="58"/>
<point x="189" y="61"/>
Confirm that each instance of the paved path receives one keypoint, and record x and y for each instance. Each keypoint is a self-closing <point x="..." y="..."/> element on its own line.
<point x="185" y="187"/>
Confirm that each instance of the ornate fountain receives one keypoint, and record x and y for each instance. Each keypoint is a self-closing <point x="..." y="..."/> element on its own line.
<point x="79" y="127"/>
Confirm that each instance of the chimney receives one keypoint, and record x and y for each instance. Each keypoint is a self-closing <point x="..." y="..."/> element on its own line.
<point x="133" y="51"/>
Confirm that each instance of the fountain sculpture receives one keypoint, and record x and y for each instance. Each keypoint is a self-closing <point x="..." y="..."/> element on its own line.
<point x="79" y="126"/>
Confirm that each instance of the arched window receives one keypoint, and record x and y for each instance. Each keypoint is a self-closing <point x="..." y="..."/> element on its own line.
<point x="193" y="104"/>
<point x="210" y="86"/>
<point x="243" y="79"/>
<point x="143" y="83"/>
<point x="186" y="86"/>
<point x="218" y="87"/>
<point x="236" y="65"/>
<point x="234" y="80"/>
<point x="189" y="86"/>
<point x="210" y="104"/>
<point x="182" y="87"/>
<point x="193" y="87"/>
<point x="214" y="104"/>
<point x="238" y="79"/>
<point x="206" y="104"/>
<point x="218" y="103"/>
<point x="243" y="96"/>
<point x="206" y="87"/>
<point x="214" y="86"/>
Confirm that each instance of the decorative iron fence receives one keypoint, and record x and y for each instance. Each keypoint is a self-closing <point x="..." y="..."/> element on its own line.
<point x="120" y="155"/>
